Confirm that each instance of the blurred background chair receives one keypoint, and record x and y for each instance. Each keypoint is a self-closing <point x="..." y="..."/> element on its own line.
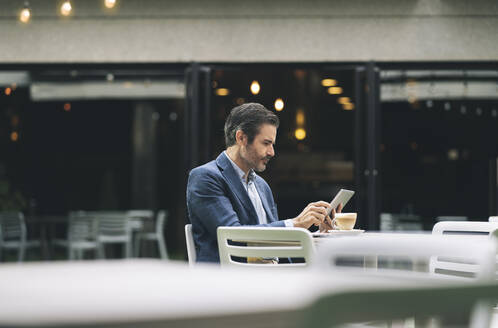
<point x="114" y="228"/>
<point x="13" y="234"/>
<point x="157" y="236"/>
<point x="81" y="236"/>
<point x="258" y="246"/>
<point x="189" y="240"/>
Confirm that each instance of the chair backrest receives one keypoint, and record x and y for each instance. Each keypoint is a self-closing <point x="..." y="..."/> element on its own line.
<point x="144" y="214"/>
<point x="252" y="243"/>
<point x="189" y="239"/>
<point x="114" y="225"/>
<point x="82" y="227"/>
<point x="161" y="220"/>
<point x="466" y="231"/>
<point x="476" y="257"/>
<point x="12" y="226"/>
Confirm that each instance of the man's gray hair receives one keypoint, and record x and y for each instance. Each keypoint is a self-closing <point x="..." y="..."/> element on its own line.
<point x="248" y="118"/>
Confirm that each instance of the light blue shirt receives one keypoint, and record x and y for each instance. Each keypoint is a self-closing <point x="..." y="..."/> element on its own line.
<point x="253" y="194"/>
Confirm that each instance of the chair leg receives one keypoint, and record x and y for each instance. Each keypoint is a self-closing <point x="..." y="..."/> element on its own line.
<point x="127" y="249"/>
<point x="22" y="250"/>
<point x="100" y="251"/>
<point x="137" y="245"/>
<point x="162" y="248"/>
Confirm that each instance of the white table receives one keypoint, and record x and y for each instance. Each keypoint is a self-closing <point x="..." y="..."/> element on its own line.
<point x="150" y="293"/>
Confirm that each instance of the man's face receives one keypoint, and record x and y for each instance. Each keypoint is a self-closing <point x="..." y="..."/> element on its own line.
<point x="258" y="154"/>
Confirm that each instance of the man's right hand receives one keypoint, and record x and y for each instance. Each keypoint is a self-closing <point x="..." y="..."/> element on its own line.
<point x="313" y="214"/>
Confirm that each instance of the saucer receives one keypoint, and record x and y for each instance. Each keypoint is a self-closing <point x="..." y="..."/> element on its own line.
<point x="332" y="233"/>
<point x="346" y="232"/>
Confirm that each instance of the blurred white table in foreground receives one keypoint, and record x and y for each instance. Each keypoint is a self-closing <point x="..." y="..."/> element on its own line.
<point x="145" y="293"/>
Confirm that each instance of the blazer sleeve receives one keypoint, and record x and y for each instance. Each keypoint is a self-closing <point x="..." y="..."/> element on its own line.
<point x="208" y="202"/>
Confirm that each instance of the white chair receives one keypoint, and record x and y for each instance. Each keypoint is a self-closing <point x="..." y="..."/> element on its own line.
<point x="114" y="228"/>
<point x="189" y="239"/>
<point x="254" y="243"/>
<point x="157" y="236"/>
<point x="469" y="229"/>
<point x="475" y="256"/>
<point x="81" y="236"/>
<point x="13" y="234"/>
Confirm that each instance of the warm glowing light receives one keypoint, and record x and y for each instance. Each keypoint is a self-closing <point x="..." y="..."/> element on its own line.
<point x="334" y="90"/>
<point x="279" y="104"/>
<point x="343" y="100"/>
<point x="348" y="106"/>
<point x="67" y="107"/>
<point x="66" y="8"/>
<point x="329" y="82"/>
<point x="255" y="87"/>
<point x="300" y="119"/>
<point x="8" y="91"/>
<point x="300" y="133"/>
<point x="240" y="101"/>
<point x="110" y="3"/>
<point x="222" y="92"/>
<point x="25" y="14"/>
<point x="14" y="121"/>
<point x="14" y="136"/>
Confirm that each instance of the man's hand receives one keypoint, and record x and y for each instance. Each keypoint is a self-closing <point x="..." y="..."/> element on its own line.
<point x="313" y="214"/>
<point x="326" y="225"/>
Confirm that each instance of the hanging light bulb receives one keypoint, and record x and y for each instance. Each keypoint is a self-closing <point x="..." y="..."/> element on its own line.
<point x="255" y="87"/>
<point x="279" y="104"/>
<point x="66" y="8"/>
<point x="25" y="14"/>
<point x="110" y="3"/>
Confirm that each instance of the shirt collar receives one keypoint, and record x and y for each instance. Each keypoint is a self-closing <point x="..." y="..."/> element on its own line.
<point x="239" y="171"/>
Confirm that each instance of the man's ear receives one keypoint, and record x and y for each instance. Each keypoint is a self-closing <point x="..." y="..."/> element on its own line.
<point x="240" y="137"/>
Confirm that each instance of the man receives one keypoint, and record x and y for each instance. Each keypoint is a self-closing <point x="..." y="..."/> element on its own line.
<point x="227" y="191"/>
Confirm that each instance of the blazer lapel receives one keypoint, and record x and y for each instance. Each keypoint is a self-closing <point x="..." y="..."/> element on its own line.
<point x="236" y="186"/>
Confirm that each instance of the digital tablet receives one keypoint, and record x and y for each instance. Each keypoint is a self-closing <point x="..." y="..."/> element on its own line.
<point x="342" y="197"/>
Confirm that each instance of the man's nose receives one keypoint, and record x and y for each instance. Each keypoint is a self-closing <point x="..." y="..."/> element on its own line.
<point x="271" y="151"/>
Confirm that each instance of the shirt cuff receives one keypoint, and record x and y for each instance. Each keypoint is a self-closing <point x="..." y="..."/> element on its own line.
<point x="288" y="223"/>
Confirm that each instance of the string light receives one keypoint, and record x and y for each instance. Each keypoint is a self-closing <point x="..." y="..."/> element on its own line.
<point x="14" y="136"/>
<point x="343" y="100"/>
<point x="300" y="134"/>
<point x="348" y="106"/>
<point x="110" y="3"/>
<point x="255" y="87"/>
<point x="66" y="8"/>
<point x="334" y="90"/>
<point x="222" y="92"/>
<point x="25" y="14"/>
<point x="279" y="104"/>
<point x="329" y="82"/>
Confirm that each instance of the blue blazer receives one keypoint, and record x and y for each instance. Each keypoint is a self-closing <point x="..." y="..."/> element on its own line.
<point x="216" y="197"/>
